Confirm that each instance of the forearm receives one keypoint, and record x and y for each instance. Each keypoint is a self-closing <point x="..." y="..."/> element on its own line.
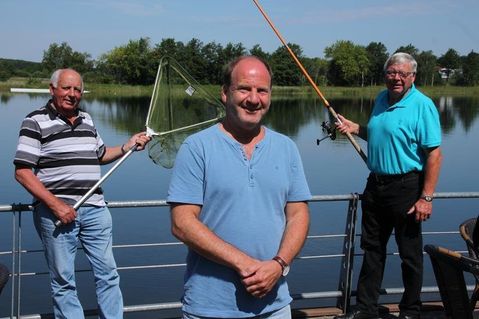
<point x="112" y="154"/>
<point x="431" y="171"/>
<point x="187" y="228"/>
<point x="33" y="185"/>
<point x="297" y="225"/>
<point x="138" y="141"/>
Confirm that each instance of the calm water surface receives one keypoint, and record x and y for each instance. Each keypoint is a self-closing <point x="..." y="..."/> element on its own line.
<point x="333" y="167"/>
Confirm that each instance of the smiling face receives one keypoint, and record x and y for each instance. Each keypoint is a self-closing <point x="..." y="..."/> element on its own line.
<point x="67" y="93"/>
<point x="399" y="79"/>
<point x="248" y="97"/>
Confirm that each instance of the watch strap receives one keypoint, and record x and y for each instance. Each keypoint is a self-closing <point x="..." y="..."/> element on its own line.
<point x="280" y="261"/>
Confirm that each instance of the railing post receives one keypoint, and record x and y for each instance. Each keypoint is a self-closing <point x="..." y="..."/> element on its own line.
<point x="345" y="281"/>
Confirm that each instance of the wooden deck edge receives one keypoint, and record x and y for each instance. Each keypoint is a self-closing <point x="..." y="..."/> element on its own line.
<point x="432" y="308"/>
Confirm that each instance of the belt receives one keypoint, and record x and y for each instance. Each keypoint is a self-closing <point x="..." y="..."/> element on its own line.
<point x="388" y="178"/>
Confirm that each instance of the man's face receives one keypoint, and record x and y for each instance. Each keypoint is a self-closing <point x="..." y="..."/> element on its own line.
<point x="68" y="93"/>
<point x="248" y="97"/>
<point x="399" y="79"/>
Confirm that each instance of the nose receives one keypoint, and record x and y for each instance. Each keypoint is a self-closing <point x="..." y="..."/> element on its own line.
<point x="253" y="97"/>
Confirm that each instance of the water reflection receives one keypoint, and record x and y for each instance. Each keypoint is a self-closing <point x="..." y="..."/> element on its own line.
<point x="287" y="115"/>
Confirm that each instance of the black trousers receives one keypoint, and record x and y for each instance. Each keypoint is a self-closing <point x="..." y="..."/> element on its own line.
<point x="386" y="201"/>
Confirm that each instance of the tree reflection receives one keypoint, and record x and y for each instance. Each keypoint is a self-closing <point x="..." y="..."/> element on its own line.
<point x="288" y="114"/>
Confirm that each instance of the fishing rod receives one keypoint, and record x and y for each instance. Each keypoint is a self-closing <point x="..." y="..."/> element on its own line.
<point x="310" y="80"/>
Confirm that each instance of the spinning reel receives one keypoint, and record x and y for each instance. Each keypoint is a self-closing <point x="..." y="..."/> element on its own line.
<point x="329" y="130"/>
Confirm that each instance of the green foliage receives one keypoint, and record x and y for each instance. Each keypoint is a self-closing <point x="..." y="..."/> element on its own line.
<point x="349" y="64"/>
<point x="377" y="56"/>
<point x="130" y="64"/>
<point x="471" y="69"/>
<point x="62" y="56"/>
<point x="285" y="71"/>
<point x="411" y="49"/>
<point x="346" y="63"/>
<point x="426" y="69"/>
<point x="10" y="68"/>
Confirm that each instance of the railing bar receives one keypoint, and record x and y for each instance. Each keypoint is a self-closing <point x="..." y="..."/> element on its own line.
<point x="315" y="198"/>
<point x="152" y="266"/>
<point x="148" y="245"/>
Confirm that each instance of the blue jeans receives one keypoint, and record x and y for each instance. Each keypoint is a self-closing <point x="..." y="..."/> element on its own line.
<point x="93" y="229"/>
<point x="283" y="313"/>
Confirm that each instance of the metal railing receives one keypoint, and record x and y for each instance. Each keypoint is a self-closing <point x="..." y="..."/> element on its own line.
<point x="342" y="295"/>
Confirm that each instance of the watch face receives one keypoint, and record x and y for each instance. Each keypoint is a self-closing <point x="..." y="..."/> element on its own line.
<point x="428" y="198"/>
<point x="285" y="271"/>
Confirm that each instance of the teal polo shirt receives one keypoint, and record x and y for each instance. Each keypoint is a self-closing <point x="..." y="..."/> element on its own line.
<point x="398" y="134"/>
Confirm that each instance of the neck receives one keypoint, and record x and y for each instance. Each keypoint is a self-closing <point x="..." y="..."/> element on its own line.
<point x="243" y="136"/>
<point x="393" y="98"/>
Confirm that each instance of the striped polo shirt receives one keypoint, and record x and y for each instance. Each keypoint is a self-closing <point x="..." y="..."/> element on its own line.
<point x="64" y="156"/>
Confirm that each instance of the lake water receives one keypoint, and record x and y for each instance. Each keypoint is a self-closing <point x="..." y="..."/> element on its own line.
<point x="333" y="167"/>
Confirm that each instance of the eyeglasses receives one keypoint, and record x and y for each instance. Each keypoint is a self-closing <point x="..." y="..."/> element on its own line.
<point x="402" y="75"/>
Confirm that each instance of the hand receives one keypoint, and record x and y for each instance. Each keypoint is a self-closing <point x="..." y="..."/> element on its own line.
<point x="139" y="139"/>
<point x="263" y="279"/>
<point x="346" y="126"/>
<point x="65" y="213"/>
<point x="422" y="210"/>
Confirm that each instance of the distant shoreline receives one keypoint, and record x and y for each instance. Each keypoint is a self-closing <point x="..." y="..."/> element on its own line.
<point x="328" y="91"/>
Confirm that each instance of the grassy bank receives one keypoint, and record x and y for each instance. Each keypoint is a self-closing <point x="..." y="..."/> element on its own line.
<point x="327" y="91"/>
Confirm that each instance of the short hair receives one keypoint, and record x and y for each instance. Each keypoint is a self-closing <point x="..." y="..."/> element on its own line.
<point x="229" y="67"/>
<point x="56" y="76"/>
<point x="401" y="58"/>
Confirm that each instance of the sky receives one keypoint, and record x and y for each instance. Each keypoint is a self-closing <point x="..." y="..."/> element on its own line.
<point x="28" y="27"/>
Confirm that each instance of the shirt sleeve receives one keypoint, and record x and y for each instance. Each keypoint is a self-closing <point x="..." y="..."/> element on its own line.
<point x="430" y="128"/>
<point x="299" y="189"/>
<point x="186" y="185"/>
<point x="29" y="144"/>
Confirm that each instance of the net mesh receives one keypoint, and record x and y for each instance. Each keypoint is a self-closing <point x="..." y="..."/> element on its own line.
<point x="179" y="106"/>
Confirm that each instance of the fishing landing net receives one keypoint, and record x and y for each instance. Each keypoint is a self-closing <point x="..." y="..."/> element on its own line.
<point x="179" y="106"/>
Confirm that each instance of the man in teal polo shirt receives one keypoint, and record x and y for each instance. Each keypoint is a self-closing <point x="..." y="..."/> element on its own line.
<point x="404" y="157"/>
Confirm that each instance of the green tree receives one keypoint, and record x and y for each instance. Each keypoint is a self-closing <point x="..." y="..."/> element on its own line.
<point x="285" y="70"/>
<point x="411" y="49"/>
<point x="256" y="50"/>
<point x="193" y="60"/>
<point x="167" y="46"/>
<point x="377" y="56"/>
<point x="63" y="56"/>
<point x="131" y="63"/>
<point x="212" y="53"/>
<point x="349" y="63"/>
<point x="450" y="61"/>
<point x="470" y="69"/>
<point x="426" y="68"/>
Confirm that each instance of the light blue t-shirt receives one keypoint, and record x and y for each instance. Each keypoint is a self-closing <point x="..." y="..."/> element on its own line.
<point x="243" y="203"/>
<point x="398" y="134"/>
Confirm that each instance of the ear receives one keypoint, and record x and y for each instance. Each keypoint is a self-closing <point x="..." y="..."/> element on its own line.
<point x="224" y="94"/>
<point x="51" y="89"/>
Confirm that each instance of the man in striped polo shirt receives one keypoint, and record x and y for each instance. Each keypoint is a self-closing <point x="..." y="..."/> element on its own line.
<point x="58" y="160"/>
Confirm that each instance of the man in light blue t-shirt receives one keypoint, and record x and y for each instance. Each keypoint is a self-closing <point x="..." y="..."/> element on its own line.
<point x="239" y="202"/>
<point x="404" y="157"/>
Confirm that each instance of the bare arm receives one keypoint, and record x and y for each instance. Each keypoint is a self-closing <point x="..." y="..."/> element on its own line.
<point x="24" y="175"/>
<point x="115" y="152"/>
<point x="297" y="225"/>
<point x="421" y="208"/>
<point x="189" y="229"/>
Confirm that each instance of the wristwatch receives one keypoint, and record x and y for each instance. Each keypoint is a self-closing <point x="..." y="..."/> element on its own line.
<point x="427" y="198"/>
<point x="283" y="265"/>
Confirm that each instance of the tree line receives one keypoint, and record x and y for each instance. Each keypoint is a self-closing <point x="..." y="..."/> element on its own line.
<point x="345" y="63"/>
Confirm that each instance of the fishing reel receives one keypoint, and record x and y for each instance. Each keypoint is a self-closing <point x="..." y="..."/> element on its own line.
<point x="329" y="130"/>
